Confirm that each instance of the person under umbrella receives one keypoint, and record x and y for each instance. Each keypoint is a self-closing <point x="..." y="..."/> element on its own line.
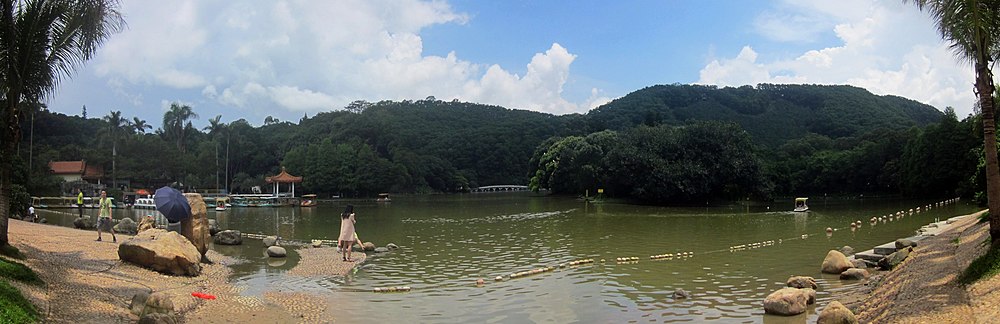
<point x="172" y="204"/>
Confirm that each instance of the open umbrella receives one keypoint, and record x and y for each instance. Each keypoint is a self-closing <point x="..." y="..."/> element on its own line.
<point x="172" y="204"/>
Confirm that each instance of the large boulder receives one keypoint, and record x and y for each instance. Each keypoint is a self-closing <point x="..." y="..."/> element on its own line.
<point x="801" y="282"/>
<point x="854" y="274"/>
<point x="213" y="227"/>
<point x="83" y="223"/>
<point x="836" y="313"/>
<point x="228" y="237"/>
<point x="894" y="259"/>
<point x="195" y="228"/>
<point x="270" y="241"/>
<point x="159" y="318"/>
<point x="126" y="225"/>
<point x="146" y="223"/>
<point x="138" y="303"/>
<point x="276" y="252"/>
<point x="786" y="301"/>
<point x="158" y="303"/>
<point x="162" y="251"/>
<point x="835" y="263"/>
<point x="810" y="295"/>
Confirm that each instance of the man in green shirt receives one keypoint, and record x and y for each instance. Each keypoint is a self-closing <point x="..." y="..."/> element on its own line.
<point x="104" y="217"/>
<point x="79" y="201"/>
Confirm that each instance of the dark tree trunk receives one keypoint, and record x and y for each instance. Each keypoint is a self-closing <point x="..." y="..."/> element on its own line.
<point x="985" y="90"/>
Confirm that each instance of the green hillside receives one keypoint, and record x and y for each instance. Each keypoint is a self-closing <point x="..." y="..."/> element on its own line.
<point x="772" y="114"/>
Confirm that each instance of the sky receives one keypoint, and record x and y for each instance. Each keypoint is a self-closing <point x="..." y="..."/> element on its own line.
<point x="289" y="59"/>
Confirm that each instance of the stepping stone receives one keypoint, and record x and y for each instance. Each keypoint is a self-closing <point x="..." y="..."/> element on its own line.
<point x="886" y="249"/>
<point x="870" y="255"/>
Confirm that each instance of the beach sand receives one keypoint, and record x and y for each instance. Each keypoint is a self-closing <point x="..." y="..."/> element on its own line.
<point x="87" y="283"/>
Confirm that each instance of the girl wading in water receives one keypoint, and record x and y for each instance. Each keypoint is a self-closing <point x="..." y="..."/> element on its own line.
<point x="346" y="239"/>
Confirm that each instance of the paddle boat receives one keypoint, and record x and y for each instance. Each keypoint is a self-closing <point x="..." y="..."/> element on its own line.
<point x="800" y="205"/>
<point x="308" y="201"/>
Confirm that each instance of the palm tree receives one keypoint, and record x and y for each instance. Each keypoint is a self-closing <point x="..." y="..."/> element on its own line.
<point x="41" y="42"/>
<point x="972" y="27"/>
<point x="177" y="123"/>
<point x="116" y="125"/>
<point x="215" y="129"/>
<point x="140" y="125"/>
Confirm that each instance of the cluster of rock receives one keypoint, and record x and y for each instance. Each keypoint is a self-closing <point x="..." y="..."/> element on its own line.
<point x="795" y="298"/>
<point x="370" y="247"/>
<point x="168" y="252"/>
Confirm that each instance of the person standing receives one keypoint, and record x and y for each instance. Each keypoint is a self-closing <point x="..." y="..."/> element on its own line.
<point x="31" y="213"/>
<point x="79" y="201"/>
<point x="104" y="217"/>
<point x="346" y="239"/>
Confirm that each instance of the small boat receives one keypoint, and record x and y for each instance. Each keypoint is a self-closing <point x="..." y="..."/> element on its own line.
<point x="144" y="203"/>
<point x="220" y="204"/>
<point x="800" y="205"/>
<point x="383" y="197"/>
<point x="308" y="201"/>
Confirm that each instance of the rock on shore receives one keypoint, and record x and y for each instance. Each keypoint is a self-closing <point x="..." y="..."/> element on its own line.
<point x="228" y="237"/>
<point x="162" y="251"/>
<point x="836" y="313"/>
<point x="854" y="274"/>
<point x="835" y="263"/>
<point x="786" y="301"/>
<point x="801" y="282"/>
<point x="195" y="228"/>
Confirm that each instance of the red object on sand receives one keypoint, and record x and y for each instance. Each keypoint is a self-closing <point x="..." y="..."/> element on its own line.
<point x="203" y="295"/>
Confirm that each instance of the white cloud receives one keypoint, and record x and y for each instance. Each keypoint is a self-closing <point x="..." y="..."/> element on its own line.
<point x="313" y="56"/>
<point x="888" y="48"/>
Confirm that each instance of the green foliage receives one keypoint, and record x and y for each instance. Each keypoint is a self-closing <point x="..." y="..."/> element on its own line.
<point x="19" y="200"/>
<point x="17" y="271"/>
<point x="14" y="308"/>
<point x="794" y="139"/>
<point x="983" y="267"/>
<point x="984" y="217"/>
<point x="662" y="164"/>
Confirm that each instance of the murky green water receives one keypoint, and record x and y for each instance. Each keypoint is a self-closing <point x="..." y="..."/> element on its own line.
<point x="449" y="241"/>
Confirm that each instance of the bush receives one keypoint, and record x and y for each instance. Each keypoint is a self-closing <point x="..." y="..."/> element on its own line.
<point x="984" y="217"/>
<point x="983" y="267"/>
<point x="14" y="308"/>
<point x="19" y="200"/>
<point x="17" y="271"/>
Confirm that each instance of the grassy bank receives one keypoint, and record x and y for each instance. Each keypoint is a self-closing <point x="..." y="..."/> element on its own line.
<point x="14" y="308"/>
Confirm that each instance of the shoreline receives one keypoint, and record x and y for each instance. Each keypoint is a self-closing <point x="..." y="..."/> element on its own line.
<point x="86" y="282"/>
<point x="924" y="288"/>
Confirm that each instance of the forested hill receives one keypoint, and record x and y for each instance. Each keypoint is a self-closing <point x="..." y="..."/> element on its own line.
<point x="772" y="114"/>
<point x="442" y="146"/>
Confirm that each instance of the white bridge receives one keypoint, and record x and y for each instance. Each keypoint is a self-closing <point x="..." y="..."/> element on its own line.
<point x="496" y="188"/>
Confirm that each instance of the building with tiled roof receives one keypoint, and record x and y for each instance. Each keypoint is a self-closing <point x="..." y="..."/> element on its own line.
<point x="71" y="171"/>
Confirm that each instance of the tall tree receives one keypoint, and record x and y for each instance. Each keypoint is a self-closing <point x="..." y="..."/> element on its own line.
<point x="116" y="126"/>
<point x="41" y="42"/>
<point x="215" y="129"/>
<point x="972" y="27"/>
<point x="177" y="124"/>
<point x="140" y="125"/>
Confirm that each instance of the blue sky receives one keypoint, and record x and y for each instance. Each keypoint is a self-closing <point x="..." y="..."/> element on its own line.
<point x="252" y="59"/>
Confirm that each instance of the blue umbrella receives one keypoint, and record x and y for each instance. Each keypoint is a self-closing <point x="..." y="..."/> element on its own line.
<point x="172" y="204"/>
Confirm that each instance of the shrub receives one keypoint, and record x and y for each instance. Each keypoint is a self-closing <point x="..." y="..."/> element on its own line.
<point x="14" y="308"/>
<point x="983" y="267"/>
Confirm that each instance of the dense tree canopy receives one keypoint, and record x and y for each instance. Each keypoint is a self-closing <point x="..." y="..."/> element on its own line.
<point x="437" y="146"/>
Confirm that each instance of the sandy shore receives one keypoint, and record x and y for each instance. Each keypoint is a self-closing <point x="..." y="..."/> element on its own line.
<point x="924" y="288"/>
<point x="87" y="283"/>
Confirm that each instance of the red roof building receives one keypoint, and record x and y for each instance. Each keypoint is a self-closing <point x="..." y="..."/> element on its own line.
<point x="76" y="170"/>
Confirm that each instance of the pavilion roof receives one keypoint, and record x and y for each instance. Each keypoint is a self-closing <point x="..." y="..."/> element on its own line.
<point x="283" y="177"/>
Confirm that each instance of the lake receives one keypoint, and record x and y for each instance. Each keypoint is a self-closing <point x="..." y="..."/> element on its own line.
<point x="449" y="241"/>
